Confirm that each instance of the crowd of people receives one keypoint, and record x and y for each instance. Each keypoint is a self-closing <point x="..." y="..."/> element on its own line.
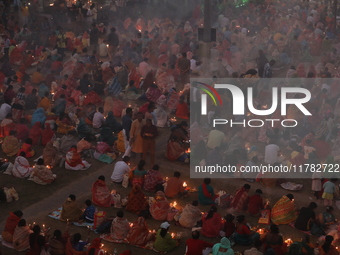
<point x="105" y="88"/>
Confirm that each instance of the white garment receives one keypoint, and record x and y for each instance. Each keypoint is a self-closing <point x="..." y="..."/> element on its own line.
<point x="121" y="168"/>
<point x="271" y="153"/>
<point x="252" y="251"/>
<point x="4" y="110"/>
<point x="98" y="120"/>
<point x="102" y="50"/>
<point x="21" y="167"/>
<point x="316" y="184"/>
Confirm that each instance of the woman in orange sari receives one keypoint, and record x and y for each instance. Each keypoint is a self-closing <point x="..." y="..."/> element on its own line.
<point x="159" y="208"/>
<point x="136" y="200"/>
<point x="139" y="232"/>
<point x="7" y="125"/>
<point x="101" y="194"/>
<point x="35" y="133"/>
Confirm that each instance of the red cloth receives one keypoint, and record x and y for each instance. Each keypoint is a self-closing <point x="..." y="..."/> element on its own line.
<point x="92" y="98"/>
<point x="101" y="194"/>
<point x="35" y="133"/>
<point x="11" y="223"/>
<point x="211" y="227"/>
<point x="47" y="134"/>
<point x="22" y="131"/>
<point x="196" y="246"/>
<point x="255" y="204"/>
<point x="229" y="228"/>
<point x="182" y="110"/>
<point x="27" y="149"/>
<point x="174" y="186"/>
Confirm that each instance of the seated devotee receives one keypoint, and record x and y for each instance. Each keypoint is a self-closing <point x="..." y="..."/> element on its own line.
<point x="101" y="194"/>
<point x="174" y="187"/>
<point x="38" y="116"/>
<point x="327" y="247"/>
<point x="11" y="223"/>
<point x="70" y="211"/>
<point x="59" y="105"/>
<point x="50" y="154"/>
<point x="84" y="130"/>
<point x="136" y="200"/>
<point x="306" y="217"/>
<point x="11" y="145"/>
<point x="22" y="130"/>
<point x="45" y="103"/>
<point x="107" y="135"/>
<point x="164" y="242"/>
<point x="273" y="240"/>
<point x="84" y="147"/>
<point x="241" y="198"/>
<point x="64" y="124"/>
<point x="47" y="134"/>
<point x="153" y="178"/>
<point x="139" y="174"/>
<point x="57" y="242"/>
<point x="98" y="118"/>
<point x="36" y="240"/>
<point x="211" y="223"/>
<point x="182" y="109"/>
<point x="42" y="174"/>
<point x="223" y="248"/>
<point x="104" y="152"/>
<point x="121" y="168"/>
<point x="74" y="161"/>
<point x="21" y="236"/>
<point x="138" y="233"/>
<point x="283" y="212"/>
<point x="327" y="218"/>
<point x="174" y="151"/>
<point x="196" y="246"/>
<point x="27" y="148"/>
<point x="35" y="133"/>
<point x="243" y="234"/>
<point x="120" y="227"/>
<point x="76" y="246"/>
<point x="6" y="125"/>
<point x="255" y="250"/>
<point x="32" y="100"/>
<point x="206" y="194"/>
<point x="88" y="215"/>
<point x="67" y="141"/>
<point x="190" y="215"/>
<point x="255" y="203"/>
<point x="229" y="225"/>
<point x="21" y="167"/>
<point x="95" y="247"/>
<point x="112" y="123"/>
<point x="159" y="207"/>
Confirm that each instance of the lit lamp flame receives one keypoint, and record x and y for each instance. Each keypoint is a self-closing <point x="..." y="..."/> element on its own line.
<point x="188" y="150"/>
<point x="139" y="30"/>
<point x="260" y="231"/>
<point x="107" y="45"/>
<point x="175" y="204"/>
<point x="166" y="179"/>
<point x="288" y="241"/>
<point x="173" y="235"/>
<point x="131" y="224"/>
<point x="185" y="184"/>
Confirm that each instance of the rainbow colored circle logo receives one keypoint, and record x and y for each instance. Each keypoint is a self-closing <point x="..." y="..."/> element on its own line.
<point x="211" y="91"/>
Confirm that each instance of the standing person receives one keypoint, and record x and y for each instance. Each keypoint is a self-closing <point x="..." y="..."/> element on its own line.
<point x="7" y="44"/>
<point x="149" y="133"/>
<point x="267" y="71"/>
<point x="25" y="14"/>
<point x="195" y="103"/>
<point x="94" y="36"/>
<point x="94" y="13"/>
<point x="126" y="123"/>
<point x="183" y="64"/>
<point x="61" y="42"/>
<point x="328" y="191"/>
<point x="121" y="168"/>
<point x="113" y="41"/>
<point x="136" y="140"/>
<point x="261" y="61"/>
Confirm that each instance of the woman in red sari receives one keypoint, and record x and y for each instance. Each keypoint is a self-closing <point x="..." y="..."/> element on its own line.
<point x="240" y="200"/>
<point x="92" y="98"/>
<point x="159" y="208"/>
<point x="101" y="194"/>
<point x="35" y="133"/>
<point x="211" y="223"/>
<point x="139" y="232"/>
<point x="47" y="134"/>
<point x="27" y="148"/>
<point x="94" y="249"/>
<point x="136" y="200"/>
<point x="74" y="161"/>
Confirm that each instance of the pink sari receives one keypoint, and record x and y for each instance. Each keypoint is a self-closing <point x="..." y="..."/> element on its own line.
<point x="101" y="194"/>
<point x="160" y="207"/>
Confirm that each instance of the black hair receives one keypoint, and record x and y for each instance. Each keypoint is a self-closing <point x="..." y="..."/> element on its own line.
<point x="290" y="196"/>
<point x="327" y="245"/>
<point x="195" y="234"/>
<point x="40" y="161"/>
<point x="76" y="238"/>
<point x="163" y="232"/>
<point x="22" y="223"/>
<point x="212" y="211"/>
<point x="207" y="181"/>
<point x="312" y="205"/>
<point x="29" y="141"/>
<point x="141" y="164"/>
<point x="246" y="186"/>
<point x="155" y="167"/>
<point x="274" y="229"/>
<point x="88" y="202"/>
<point x="177" y="174"/>
<point x="126" y="159"/>
<point x="102" y="177"/>
<point x="240" y="218"/>
<point x="195" y="203"/>
<point x="120" y="214"/>
<point x="72" y="197"/>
